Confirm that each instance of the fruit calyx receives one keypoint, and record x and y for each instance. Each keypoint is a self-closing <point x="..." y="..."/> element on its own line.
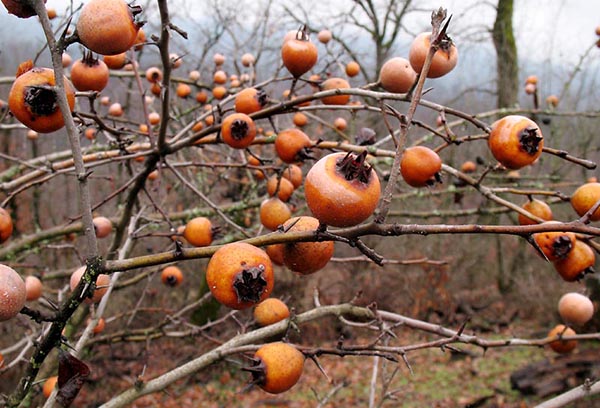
<point x="529" y="140"/>
<point x="250" y="283"/>
<point x="258" y="371"/>
<point x="41" y="99"/>
<point x="89" y="59"/>
<point x="561" y="246"/>
<point x="302" y="34"/>
<point x="261" y="97"/>
<point x="171" y="280"/>
<point x="239" y="129"/>
<point x="355" y="167"/>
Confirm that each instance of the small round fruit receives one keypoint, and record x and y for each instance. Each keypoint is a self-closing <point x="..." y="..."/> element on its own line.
<point x="49" y="385"/>
<point x="335" y="83"/>
<point x="552" y="101"/>
<point x="579" y="261"/>
<point x="183" y="90"/>
<point x="292" y="145"/>
<point x="397" y="75"/>
<point x="562" y="346"/>
<point x="116" y="61"/>
<point x="340" y="124"/>
<point x="107" y="26"/>
<point x="324" y="36"/>
<point x="584" y="198"/>
<point x="468" y="167"/>
<point x="305" y="257"/>
<point x="250" y="100"/>
<point x="240" y="275"/>
<point x="13" y="293"/>
<point x="248" y="59"/>
<point x="33" y="287"/>
<point x="238" y="130"/>
<point x="575" y="308"/>
<point x="555" y="245"/>
<point x="154" y="118"/>
<point x="530" y="89"/>
<point x="273" y="213"/>
<point x="352" y="69"/>
<point x="270" y="311"/>
<point x="154" y="74"/>
<point x="420" y="166"/>
<point x="89" y="74"/>
<point x="201" y="97"/>
<point x="219" y="92"/>
<point x="280" y="186"/>
<point x="531" y="79"/>
<point x="102" y="283"/>
<point x="171" y="276"/>
<point x="516" y="141"/>
<point x="6" y="225"/>
<point x="342" y="190"/>
<point x="115" y="109"/>
<point x="102" y="227"/>
<point x="300" y="119"/>
<point x="66" y="60"/>
<point x="218" y="59"/>
<point x="538" y="208"/>
<point x="299" y="55"/>
<point x="199" y="232"/>
<point x="278" y="367"/>
<point x="294" y="174"/>
<point x="220" y="77"/>
<point x="33" y="100"/>
<point x="444" y="60"/>
<point x="99" y="328"/>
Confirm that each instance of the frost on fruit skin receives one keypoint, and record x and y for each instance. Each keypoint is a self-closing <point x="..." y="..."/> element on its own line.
<point x="13" y="294"/>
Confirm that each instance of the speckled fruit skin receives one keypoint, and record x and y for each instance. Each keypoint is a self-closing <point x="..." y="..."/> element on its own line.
<point x="283" y="366"/>
<point x="336" y="201"/>
<point x="584" y="198"/>
<point x="198" y="232"/>
<point x="575" y="308"/>
<point x="102" y="280"/>
<point x="42" y="122"/>
<point x="419" y="165"/>
<point x="227" y="263"/>
<point x="397" y="75"/>
<point x="107" y="26"/>
<point x="305" y="257"/>
<point x="273" y="213"/>
<point x="580" y="258"/>
<point x="443" y="61"/>
<point x="271" y="311"/>
<point x="538" y="208"/>
<point x="505" y="145"/>
<point x="6" y="225"/>
<point x="12" y="293"/>
<point x="562" y="346"/>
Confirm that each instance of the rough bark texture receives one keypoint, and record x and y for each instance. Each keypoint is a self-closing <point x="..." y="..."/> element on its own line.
<point x="506" y="51"/>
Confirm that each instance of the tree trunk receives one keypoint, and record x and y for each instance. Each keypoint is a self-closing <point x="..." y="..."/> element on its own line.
<point x="506" y="52"/>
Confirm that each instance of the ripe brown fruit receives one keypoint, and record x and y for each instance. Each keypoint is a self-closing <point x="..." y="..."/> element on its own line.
<point x="13" y="293"/>
<point x="352" y="69"/>
<point x="294" y="174"/>
<point x="516" y="141"/>
<point x="240" y="275"/>
<point x="342" y="190"/>
<point x="340" y="123"/>
<point x="552" y="101"/>
<point x="49" y="385"/>
<point x="220" y="77"/>
<point x="219" y="92"/>
<point x="292" y="145"/>
<point x="107" y="26"/>
<point x="102" y="227"/>
<point x="116" y="61"/>
<point x="271" y="311"/>
<point x="99" y="327"/>
<point x="335" y="83"/>
<point x="397" y="75"/>
<point x="275" y="252"/>
<point x="300" y="119"/>
<point x="584" y="198"/>
<point x="250" y="100"/>
<point x="530" y="89"/>
<point x="115" y="109"/>
<point x="154" y="74"/>
<point x="579" y="261"/>
<point x="248" y="59"/>
<point x="89" y="74"/>
<point x="555" y="244"/>
<point x="33" y="100"/>
<point x="219" y="59"/>
<point x="280" y="186"/>
<point x="66" y="60"/>
<point x="324" y="36"/>
<point x="19" y="8"/>
<point x="277" y="367"/>
<point x="537" y="208"/>
<point x="183" y="90"/>
<point x="444" y="60"/>
<point x="420" y="166"/>
<point x="273" y="213"/>
<point x="299" y="55"/>
<point x="171" y="276"/>
<point x="562" y="346"/>
<point x="305" y="257"/>
<point x="238" y="130"/>
<point x="102" y="283"/>
<point x="468" y="167"/>
<point x="33" y="288"/>
<point x="575" y="308"/>
<point x="6" y="225"/>
<point x="199" y="232"/>
<point x="531" y="79"/>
